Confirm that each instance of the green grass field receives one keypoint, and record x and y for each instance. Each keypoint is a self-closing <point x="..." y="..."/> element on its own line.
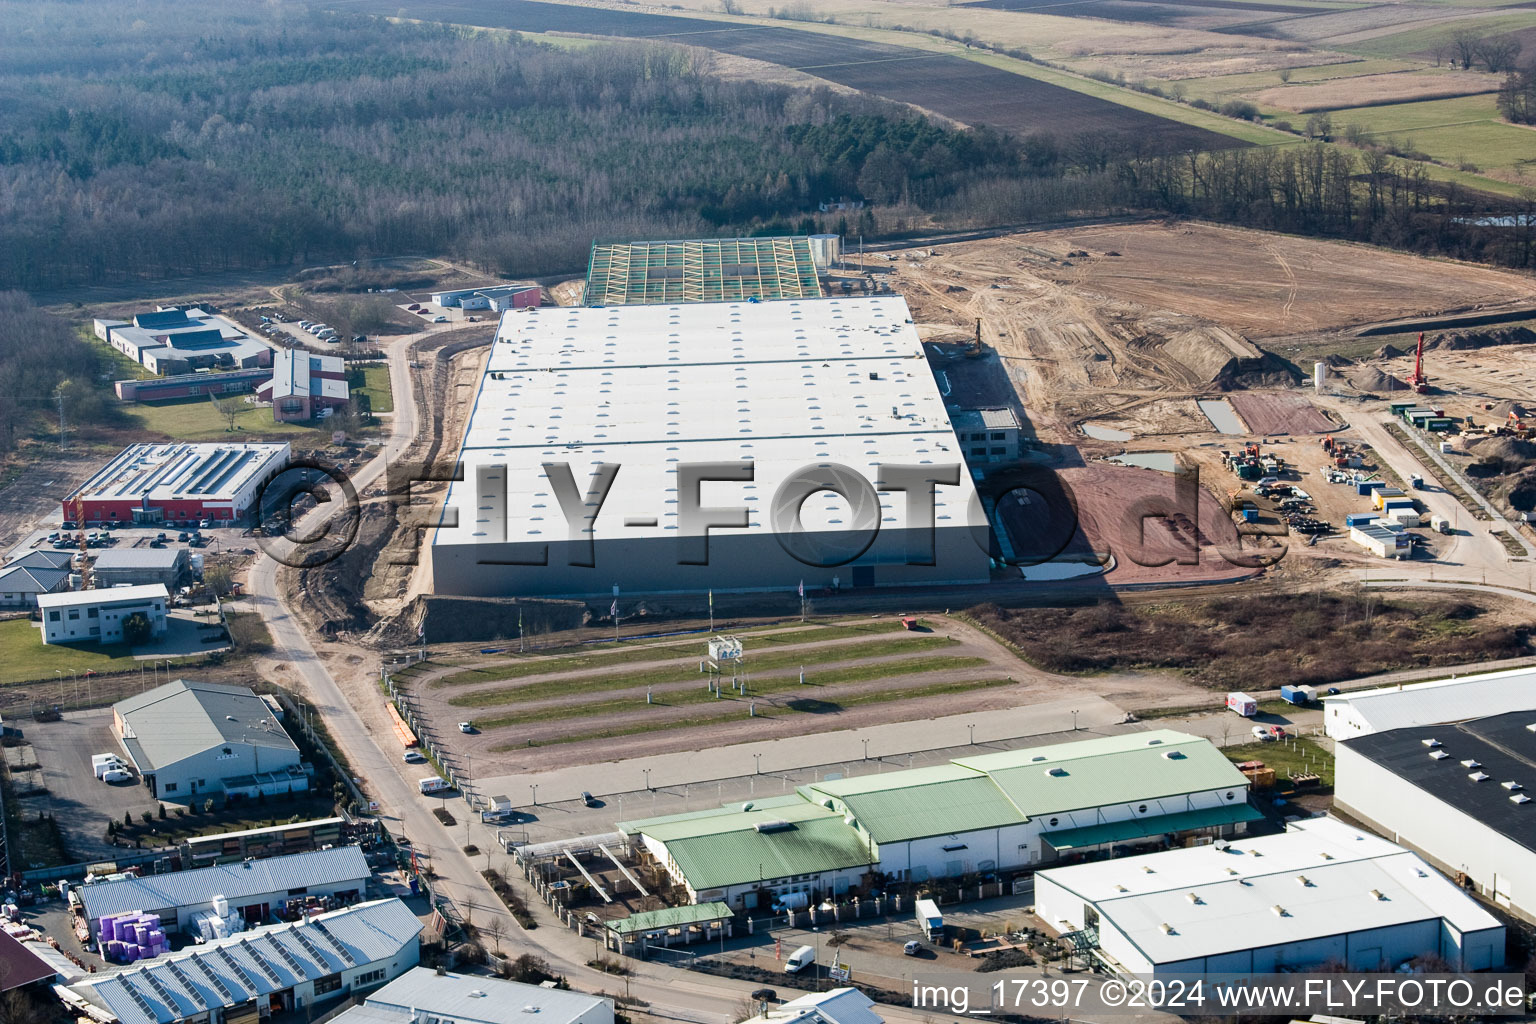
<point x="24" y="656"/>
<point x="764" y="712"/>
<point x="786" y="660"/>
<point x="377" y="388"/>
<point x="1419" y="40"/>
<point x="1462" y="129"/>
<point x="1287" y="757"/>
<point x="196" y="419"/>
<point x="518" y="666"/>
<point x="756" y="688"/>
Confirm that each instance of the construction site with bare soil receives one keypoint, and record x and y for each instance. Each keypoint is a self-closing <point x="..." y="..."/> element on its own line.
<point x="1181" y="419"/>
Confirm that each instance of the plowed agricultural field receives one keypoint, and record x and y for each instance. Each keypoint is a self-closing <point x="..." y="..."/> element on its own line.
<point x="952" y="86"/>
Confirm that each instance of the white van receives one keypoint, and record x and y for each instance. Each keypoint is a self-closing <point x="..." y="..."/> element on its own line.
<point x="432" y="784"/>
<point x="799" y="960"/>
<point x="116" y="775"/>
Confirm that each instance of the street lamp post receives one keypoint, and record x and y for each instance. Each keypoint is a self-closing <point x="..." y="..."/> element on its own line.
<point x="866" y="750"/>
<point x="535" y="787"/>
<point x="647" y="773"/>
<point x="972" y="727"/>
<point x="1074" y="720"/>
<point x="757" y="760"/>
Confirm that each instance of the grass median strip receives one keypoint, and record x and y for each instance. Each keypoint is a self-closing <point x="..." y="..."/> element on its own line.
<point x="756" y="668"/>
<point x="691" y="650"/>
<point x="757" y="689"/>
<point x="766" y="712"/>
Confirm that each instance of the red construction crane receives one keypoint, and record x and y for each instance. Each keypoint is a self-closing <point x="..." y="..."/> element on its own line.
<point x="1418" y="381"/>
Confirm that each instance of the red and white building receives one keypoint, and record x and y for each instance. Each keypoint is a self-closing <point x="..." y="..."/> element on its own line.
<point x="178" y="482"/>
<point x="302" y="384"/>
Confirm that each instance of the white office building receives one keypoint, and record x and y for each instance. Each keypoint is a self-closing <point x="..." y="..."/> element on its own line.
<point x="1319" y="893"/>
<point x="97" y="616"/>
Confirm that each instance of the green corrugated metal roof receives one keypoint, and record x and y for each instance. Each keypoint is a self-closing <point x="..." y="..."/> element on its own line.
<point x="670" y="917"/>
<point x="724" y="848"/>
<point x="1111" y="770"/>
<point x="934" y="801"/>
<point x="1155" y="825"/>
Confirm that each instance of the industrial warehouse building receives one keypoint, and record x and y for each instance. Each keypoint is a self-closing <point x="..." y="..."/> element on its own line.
<point x="188" y="739"/>
<point x="154" y="483"/>
<point x="191" y="385"/>
<point x="778" y="400"/>
<point x="497" y="298"/>
<point x="177" y="341"/>
<point x="1319" y="893"/>
<point x="138" y="566"/>
<point x="421" y="995"/>
<point x="254" y="889"/>
<point x="304" y="383"/>
<point x="703" y="270"/>
<point x="286" y="968"/>
<point x="992" y="812"/>
<point x="97" y="616"/>
<point x="1462" y="795"/>
<point x="1362" y="712"/>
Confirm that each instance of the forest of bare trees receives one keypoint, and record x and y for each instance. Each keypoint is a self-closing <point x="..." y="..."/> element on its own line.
<point x="164" y="139"/>
<point x="43" y="358"/>
<point x="194" y="138"/>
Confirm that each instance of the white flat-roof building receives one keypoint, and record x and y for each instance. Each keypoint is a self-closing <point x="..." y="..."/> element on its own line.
<point x="1458" y="699"/>
<point x="172" y="340"/>
<point x="420" y="995"/>
<point x="152" y="483"/>
<point x="719" y="430"/>
<point x="247" y="977"/>
<point x="97" y="616"/>
<point x="1321" y="892"/>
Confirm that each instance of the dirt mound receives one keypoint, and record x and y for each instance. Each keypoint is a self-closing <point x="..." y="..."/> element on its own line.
<point x="1372" y="379"/>
<point x="1502" y="410"/>
<point x="1522" y="492"/>
<point x="1459" y="340"/>
<point x="478" y="619"/>
<point x="1338" y="360"/>
<point x="1387" y="352"/>
<point x="1268" y="372"/>
<point x="1510" y="449"/>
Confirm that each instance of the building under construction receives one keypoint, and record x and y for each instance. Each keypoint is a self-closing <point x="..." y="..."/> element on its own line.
<point x="701" y="270"/>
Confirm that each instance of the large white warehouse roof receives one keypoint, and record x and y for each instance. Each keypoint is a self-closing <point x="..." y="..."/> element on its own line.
<point x="1361" y="712"/>
<point x="1313" y="880"/>
<point x="784" y="384"/>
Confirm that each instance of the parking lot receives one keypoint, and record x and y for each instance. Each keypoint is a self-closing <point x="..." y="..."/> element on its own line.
<point x="872" y="949"/>
<point x="80" y="802"/>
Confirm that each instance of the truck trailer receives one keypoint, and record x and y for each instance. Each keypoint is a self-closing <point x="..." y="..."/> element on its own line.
<point x="1242" y="704"/>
